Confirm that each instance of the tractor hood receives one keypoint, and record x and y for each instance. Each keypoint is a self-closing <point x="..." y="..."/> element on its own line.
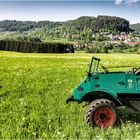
<point x="80" y="90"/>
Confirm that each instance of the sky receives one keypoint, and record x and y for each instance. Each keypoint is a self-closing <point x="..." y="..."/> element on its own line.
<point x="64" y="10"/>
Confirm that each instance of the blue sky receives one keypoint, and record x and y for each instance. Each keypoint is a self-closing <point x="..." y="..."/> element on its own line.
<point x="67" y="10"/>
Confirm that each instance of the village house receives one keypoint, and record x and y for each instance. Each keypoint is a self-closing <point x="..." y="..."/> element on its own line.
<point x="133" y="43"/>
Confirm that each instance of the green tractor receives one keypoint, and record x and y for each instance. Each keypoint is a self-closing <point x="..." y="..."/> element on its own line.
<point x="105" y="92"/>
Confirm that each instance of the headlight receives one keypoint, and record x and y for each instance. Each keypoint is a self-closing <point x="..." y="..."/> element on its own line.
<point x="80" y="89"/>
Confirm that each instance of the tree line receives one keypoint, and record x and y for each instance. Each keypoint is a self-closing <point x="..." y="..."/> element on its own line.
<point x="72" y="26"/>
<point x="14" y="25"/>
<point x="30" y="47"/>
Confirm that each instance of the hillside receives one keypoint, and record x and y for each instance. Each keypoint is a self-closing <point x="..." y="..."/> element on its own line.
<point x="95" y="24"/>
<point x="83" y="29"/>
<point x="101" y="22"/>
<point x="13" y="25"/>
<point x="135" y="27"/>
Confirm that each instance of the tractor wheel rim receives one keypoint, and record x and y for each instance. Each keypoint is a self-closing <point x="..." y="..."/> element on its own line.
<point x="104" y="117"/>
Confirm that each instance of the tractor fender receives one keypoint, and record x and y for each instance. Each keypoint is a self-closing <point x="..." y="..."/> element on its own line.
<point x="102" y="94"/>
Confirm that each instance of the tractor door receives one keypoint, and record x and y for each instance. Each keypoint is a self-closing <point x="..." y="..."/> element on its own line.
<point x="112" y="80"/>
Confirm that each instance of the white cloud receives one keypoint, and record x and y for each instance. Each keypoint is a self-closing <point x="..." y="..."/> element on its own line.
<point x="118" y="1"/>
<point x="125" y="1"/>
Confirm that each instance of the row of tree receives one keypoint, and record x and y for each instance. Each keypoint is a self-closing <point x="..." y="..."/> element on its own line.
<point x="29" y="47"/>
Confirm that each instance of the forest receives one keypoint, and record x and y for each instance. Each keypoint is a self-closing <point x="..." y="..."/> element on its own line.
<point x="95" y="24"/>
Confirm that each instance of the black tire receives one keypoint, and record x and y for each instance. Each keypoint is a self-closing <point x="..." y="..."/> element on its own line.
<point x="102" y="113"/>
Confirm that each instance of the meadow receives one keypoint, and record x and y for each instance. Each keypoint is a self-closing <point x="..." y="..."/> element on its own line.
<point x="33" y="90"/>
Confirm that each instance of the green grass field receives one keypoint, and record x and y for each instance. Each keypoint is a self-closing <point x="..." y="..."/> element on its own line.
<point x="33" y="90"/>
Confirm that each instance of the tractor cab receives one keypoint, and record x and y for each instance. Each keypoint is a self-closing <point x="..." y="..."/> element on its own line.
<point x="113" y="84"/>
<point x="105" y="91"/>
<point x="94" y="66"/>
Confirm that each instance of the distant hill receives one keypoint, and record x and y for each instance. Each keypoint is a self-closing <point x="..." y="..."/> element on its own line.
<point x="135" y="27"/>
<point x="101" y="22"/>
<point x="83" y="29"/>
<point x="13" y="25"/>
<point x="95" y="24"/>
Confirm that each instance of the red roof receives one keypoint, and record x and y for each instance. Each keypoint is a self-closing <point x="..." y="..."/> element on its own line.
<point x="133" y="43"/>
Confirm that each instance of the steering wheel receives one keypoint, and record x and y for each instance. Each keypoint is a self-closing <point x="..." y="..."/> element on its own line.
<point x="133" y="70"/>
<point x="137" y="70"/>
<point x="105" y="69"/>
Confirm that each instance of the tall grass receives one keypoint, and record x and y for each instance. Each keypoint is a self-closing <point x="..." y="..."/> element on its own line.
<point x="33" y="90"/>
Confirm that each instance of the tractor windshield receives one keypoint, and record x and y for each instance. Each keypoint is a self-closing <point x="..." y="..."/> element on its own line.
<point x="94" y="65"/>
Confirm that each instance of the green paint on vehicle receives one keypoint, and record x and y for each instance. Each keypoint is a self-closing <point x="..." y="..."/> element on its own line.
<point x="112" y="83"/>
